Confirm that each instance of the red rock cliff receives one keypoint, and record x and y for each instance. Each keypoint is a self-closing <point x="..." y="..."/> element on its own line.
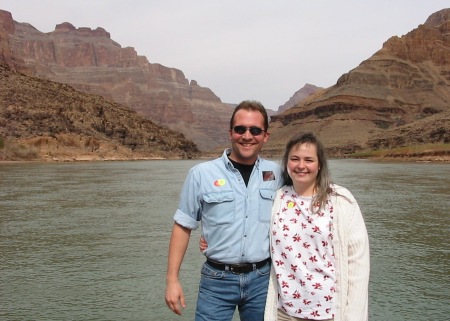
<point x="89" y="60"/>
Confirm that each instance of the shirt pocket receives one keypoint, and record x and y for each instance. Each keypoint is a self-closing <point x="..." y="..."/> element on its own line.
<point x="218" y="207"/>
<point x="265" y="204"/>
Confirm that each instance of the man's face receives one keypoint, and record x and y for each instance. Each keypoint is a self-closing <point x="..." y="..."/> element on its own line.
<point x="245" y="147"/>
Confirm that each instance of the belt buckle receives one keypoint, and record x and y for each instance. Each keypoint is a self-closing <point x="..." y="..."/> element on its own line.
<point x="239" y="269"/>
<point x="235" y="269"/>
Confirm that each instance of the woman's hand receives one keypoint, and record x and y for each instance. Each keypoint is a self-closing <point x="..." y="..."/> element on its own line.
<point x="202" y="244"/>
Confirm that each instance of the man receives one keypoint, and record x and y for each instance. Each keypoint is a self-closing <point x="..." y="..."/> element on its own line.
<point x="231" y="197"/>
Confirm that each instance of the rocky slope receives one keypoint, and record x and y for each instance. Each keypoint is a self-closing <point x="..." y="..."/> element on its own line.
<point x="404" y="83"/>
<point x="90" y="61"/>
<point x="45" y="120"/>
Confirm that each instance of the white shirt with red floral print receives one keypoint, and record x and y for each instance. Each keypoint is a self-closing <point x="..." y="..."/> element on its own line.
<point x="303" y="257"/>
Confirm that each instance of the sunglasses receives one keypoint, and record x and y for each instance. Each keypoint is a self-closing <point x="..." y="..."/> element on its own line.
<point x="255" y="131"/>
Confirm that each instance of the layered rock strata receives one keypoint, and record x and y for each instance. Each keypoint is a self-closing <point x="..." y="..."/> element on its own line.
<point x="407" y="80"/>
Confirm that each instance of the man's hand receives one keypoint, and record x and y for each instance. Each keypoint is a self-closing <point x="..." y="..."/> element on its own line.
<point x="175" y="297"/>
<point x="177" y="248"/>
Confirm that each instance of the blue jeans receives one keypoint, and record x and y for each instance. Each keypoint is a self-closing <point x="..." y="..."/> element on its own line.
<point x="220" y="292"/>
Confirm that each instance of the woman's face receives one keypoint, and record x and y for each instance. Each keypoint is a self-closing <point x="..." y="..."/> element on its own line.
<point x="303" y="168"/>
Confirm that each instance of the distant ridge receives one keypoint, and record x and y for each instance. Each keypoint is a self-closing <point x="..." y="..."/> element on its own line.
<point x="299" y="96"/>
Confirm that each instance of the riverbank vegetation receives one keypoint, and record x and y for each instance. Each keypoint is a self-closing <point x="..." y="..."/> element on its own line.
<point x="425" y="152"/>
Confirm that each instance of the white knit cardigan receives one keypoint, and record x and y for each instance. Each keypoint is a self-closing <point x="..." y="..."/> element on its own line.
<point x="351" y="248"/>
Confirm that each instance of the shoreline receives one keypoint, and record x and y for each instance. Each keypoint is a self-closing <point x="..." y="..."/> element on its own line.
<point x="411" y="159"/>
<point x="401" y="159"/>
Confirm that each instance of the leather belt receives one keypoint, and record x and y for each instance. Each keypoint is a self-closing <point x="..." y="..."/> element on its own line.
<point x="238" y="268"/>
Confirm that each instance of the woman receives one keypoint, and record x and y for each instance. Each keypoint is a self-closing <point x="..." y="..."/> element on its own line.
<point x="319" y="243"/>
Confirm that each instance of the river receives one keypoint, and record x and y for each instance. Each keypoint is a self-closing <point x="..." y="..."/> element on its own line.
<point x="88" y="241"/>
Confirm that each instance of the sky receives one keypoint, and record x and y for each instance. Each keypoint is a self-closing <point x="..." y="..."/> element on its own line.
<point x="264" y="50"/>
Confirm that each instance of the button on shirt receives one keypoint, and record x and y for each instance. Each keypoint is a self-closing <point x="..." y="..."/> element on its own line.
<point x="235" y="218"/>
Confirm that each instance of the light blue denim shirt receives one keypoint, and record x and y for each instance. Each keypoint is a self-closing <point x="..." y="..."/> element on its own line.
<point x="234" y="218"/>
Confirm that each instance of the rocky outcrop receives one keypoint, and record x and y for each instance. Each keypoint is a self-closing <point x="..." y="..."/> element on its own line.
<point x="433" y="129"/>
<point x="6" y="28"/>
<point x="55" y="121"/>
<point x="405" y="81"/>
<point x="90" y="61"/>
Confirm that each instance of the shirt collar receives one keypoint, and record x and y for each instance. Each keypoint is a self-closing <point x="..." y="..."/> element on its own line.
<point x="228" y="163"/>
